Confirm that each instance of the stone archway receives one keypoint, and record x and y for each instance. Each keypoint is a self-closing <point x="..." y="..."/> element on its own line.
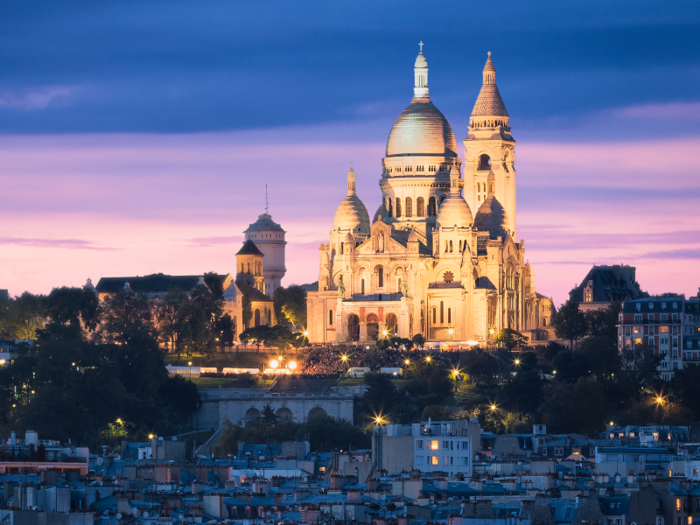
<point x="317" y="412"/>
<point x="252" y="416"/>
<point x="372" y="327"/>
<point x="392" y="324"/>
<point x="353" y="328"/>
<point x="284" y="415"/>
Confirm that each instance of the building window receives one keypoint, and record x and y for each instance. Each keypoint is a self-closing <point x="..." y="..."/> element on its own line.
<point x="434" y="460"/>
<point x="449" y="316"/>
<point x="420" y="168"/>
<point x="419" y="444"/>
<point x="398" y="207"/>
<point x="362" y="286"/>
<point x="409" y="207"/>
<point x="420" y="207"/>
<point x="408" y="169"/>
<point x="432" y="203"/>
<point x="434" y="444"/>
<point x="484" y="163"/>
<point x="588" y="297"/>
<point x="434" y="315"/>
<point x="638" y="318"/>
<point x="330" y="317"/>
<point x="388" y="206"/>
<point x="432" y="167"/>
<point x="442" y="312"/>
<point x="380" y="277"/>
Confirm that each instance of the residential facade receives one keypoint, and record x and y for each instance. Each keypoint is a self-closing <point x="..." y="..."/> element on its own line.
<point x="669" y="323"/>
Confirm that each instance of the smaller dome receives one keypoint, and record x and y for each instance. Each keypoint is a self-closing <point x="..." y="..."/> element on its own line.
<point x="421" y="61"/>
<point x="492" y="218"/>
<point x="351" y="214"/>
<point x="349" y="238"/>
<point x="379" y="214"/>
<point x="413" y="236"/>
<point x="454" y="210"/>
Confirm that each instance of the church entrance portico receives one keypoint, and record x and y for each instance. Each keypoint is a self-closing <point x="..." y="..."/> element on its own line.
<point x="366" y="321"/>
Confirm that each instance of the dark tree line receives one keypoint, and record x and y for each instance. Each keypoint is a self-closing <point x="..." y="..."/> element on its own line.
<point x="92" y="365"/>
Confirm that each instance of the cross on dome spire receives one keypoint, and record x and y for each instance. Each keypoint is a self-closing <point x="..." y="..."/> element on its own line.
<point x="421" y="46"/>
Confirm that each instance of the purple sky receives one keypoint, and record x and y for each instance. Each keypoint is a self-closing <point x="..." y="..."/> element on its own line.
<point x="137" y="140"/>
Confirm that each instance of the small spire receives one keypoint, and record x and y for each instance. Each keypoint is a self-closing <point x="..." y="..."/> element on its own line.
<point x="489" y="71"/>
<point x="454" y="180"/>
<point x="351" y="180"/>
<point x="266" y="203"/>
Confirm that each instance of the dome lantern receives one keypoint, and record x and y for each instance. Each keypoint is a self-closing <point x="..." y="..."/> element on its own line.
<point x="421" y="74"/>
<point x="351" y="214"/>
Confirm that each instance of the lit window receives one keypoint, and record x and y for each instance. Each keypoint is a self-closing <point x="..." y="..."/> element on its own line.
<point x="434" y="460"/>
<point x="434" y="445"/>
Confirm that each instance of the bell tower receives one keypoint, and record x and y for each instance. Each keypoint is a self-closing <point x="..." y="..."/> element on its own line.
<point x="489" y="150"/>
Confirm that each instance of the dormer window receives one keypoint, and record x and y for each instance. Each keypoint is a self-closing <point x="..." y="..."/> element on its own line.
<point x="663" y="306"/>
<point x="588" y="297"/>
<point x="639" y="307"/>
<point x="675" y="306"/>
<point x="651" y="306"/>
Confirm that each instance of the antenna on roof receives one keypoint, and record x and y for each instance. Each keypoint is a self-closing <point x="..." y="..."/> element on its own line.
<point x="266" y="204"/>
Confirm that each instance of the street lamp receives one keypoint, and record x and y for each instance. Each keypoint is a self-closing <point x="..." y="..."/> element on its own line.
<point x="150" y="436"/>
<point x="493" y="407"/>
<point x="517" y="361"/>
<point x="455" y="373"/>
<point x="189" y="363"/>
<point x="274" y="364"/>
<point x="292" y="365"/>
<point x="306" y="333"/>
<point x="407" y="362"/>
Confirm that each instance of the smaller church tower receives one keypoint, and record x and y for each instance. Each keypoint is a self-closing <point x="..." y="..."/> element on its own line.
<point x="489" y="150"/>
<point x="249" y="266"/>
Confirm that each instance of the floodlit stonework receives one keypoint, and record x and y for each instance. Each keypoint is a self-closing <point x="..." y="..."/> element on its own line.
<point x="441" y="256"/>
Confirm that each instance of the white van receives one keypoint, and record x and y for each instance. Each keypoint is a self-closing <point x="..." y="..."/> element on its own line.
<point x="357" y="371"/>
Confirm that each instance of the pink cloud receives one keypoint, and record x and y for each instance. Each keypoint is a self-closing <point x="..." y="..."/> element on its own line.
<point x="179" y="204"/>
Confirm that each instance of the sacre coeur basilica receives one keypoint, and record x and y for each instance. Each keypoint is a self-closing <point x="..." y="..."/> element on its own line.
<point x="440" y="257"/>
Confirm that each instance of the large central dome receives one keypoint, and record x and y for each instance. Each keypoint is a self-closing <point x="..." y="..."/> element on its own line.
<point x="421" y="129"/>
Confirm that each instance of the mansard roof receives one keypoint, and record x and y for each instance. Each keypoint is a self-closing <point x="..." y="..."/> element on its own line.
<point x="610" y="283"/>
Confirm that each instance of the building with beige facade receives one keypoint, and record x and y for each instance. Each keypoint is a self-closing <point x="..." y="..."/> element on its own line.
<point x="427" y="263"/>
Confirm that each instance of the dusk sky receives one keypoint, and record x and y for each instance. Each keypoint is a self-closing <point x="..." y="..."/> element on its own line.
<point x="138" y="137"/>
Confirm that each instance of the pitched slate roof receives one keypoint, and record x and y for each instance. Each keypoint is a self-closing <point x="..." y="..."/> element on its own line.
<point x="154" y="283"/>
<point x="249" y="248"/>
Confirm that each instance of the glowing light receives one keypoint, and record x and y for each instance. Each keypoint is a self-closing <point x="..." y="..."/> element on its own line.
<point x="407" y="362"/>
<point x="517" y="361"/>
<point x="492" y="331"/>
<point x="611" y="423"/>
<point x="189" y="363"/>
<point x="379" y="420"/>
<point x="659" y="400"/>
<point x="385" y="332"/>
<point x="2" y="362"/>
<point x="292" y="365"/>
<point x="455" y="373"/>
<point x="554" y="372"/>
<point x="344" y="358"/>
<point x="274" y="363"/>
<point x="280" y="358"/>
<point x="150" y="436"/>
<point x="451" y="331"/>
<point x="428" y="359"/>
<point x="306" y="333"/>
<point x="493" y="407"/>
<point x="119" y="421"/>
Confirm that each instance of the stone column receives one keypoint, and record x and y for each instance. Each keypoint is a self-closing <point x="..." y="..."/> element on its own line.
<point x="363" y="332"/>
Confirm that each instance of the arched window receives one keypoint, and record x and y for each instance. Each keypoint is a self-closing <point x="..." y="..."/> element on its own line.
<point x="388" y="206"/>
<point x="330" y="317"/>
<point x="380" y="277"/>
<point x="420" y="207"/>
<point x="409" y="207"/>
<point x="478" y="186"/>
<point x="442" y="312"/>
<point x="450" y="246"/>
<point x="342" y="248"/>
<point x="460" y="246"/>
<point x="362" y="286"/>
<point x="484" y="163"/>
<point x="248" y="265"/>
<point x="257" y="317"/>
<point x="432" y="205"/>
<point x="434" y="315"/>
<point x="449" y="316"/>
<point x="392" y="324"/>
<point x="398" y="207"/>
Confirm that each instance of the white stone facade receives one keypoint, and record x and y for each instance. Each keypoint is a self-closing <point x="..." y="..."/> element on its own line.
<point x="427" y="264"/>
